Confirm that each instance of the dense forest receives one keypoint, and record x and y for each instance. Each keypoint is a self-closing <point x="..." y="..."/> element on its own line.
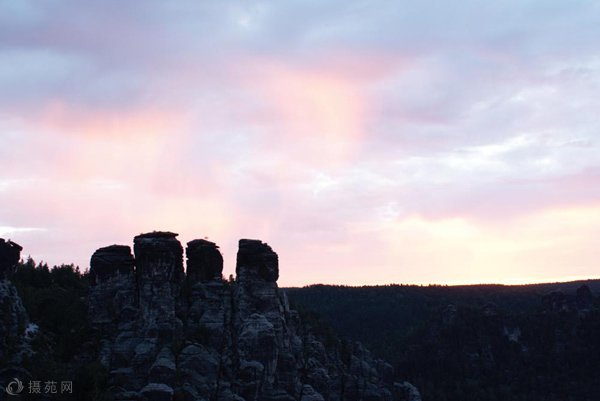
<point x="481" y="342"/>
<point x="56" y="300"/>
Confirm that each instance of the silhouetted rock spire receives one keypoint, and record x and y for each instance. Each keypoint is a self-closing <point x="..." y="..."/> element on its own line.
<point x="204" y="261"/>
<point x="256" y="258"/>
<point x="10" y="254"/>
<point x="159" y="257"/>
<point x="110" y="261"/>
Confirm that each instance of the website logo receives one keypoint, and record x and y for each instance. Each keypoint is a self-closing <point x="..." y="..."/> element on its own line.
<point x="14" y="387"/>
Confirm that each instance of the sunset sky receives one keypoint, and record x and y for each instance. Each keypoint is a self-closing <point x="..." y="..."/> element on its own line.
<point x="368" y="142"/>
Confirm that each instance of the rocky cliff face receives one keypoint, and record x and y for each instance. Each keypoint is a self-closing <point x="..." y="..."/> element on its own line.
<point x="15" y="328"/>
<point x="167" y="335"/>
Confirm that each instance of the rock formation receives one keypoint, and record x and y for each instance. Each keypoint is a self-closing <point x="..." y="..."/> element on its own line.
<point x="10" y="253"/>
<point x="558" y="301"/>
<point x="204" y="261"/>
<point x="112" y="276"/>
<point x="583" y="297"/>
<point x="170" y="336"/>
<point x="15" y="328"/>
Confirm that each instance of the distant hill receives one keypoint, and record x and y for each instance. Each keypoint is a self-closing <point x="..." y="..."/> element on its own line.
<point x="474" y="342"/>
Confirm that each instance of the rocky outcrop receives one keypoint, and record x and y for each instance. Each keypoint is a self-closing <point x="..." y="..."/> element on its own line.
<point x="13" y="323"/>
<point x="10" y="253"/>
<point x="558" y="301"/>
<point x="159" y="272"/>
<point x="256" y="260"/>
<point x="204" y="261"/>
<point x="407" y="391"/>
<point x="583" y="297"/>
<point x="16" y="331"/>
<point x="134" y="306"/>
<point x="167" y="335"/>
<point x="112" y="276"/>
<point x="112" y="261"/>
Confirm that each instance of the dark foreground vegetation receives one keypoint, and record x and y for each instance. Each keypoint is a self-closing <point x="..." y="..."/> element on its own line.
<point x="482" y="342"/>
<point x="55" y="299"/>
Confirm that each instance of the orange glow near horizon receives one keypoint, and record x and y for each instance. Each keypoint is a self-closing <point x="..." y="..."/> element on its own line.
<point x="532" y="248"/>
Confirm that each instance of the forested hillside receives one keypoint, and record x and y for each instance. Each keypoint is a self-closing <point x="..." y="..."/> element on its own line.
<point x="483" y="342"/>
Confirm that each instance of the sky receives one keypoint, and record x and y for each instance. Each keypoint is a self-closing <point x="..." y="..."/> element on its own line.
<point x="368" y="142"/>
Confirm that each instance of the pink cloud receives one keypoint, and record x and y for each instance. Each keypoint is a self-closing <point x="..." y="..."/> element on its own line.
<point x="375" y="145"/>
